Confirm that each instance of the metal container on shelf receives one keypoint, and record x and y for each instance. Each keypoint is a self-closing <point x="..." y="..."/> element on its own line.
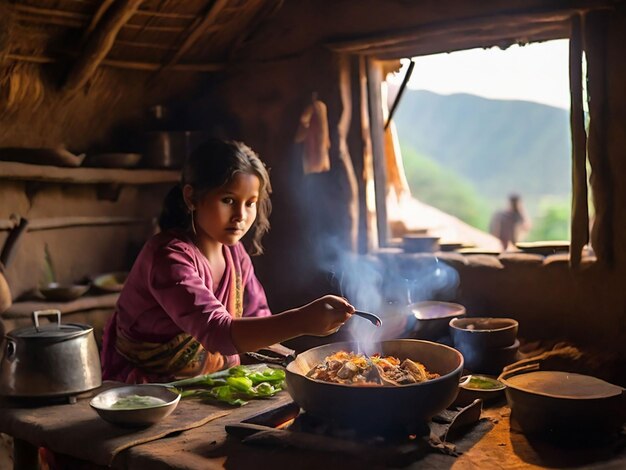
<point x="52" y="360"/>
<point x="165" y="148"/>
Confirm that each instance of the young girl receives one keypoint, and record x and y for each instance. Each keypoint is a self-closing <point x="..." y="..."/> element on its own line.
<point x="191" y="302"/>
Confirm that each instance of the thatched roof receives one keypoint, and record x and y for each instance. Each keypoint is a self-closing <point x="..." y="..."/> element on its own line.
<point x="152" y="35"/>
<point x="207" y="35"/>
<point x="73" y="39"/>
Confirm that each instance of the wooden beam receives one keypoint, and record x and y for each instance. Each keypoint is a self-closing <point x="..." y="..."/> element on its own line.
<point x="50" y="12"/>
<point x="101" y="9"/>
<point x="51" y="223"/>
<point x="25" y="309"/>
<point x="80" y="23"/>
<point x="123" y="64"/>
<point x="49" y="173"/>
<point x="394" y="38"/>
<point x="473" y="39"/>
<point x="267" y="10"/>
<point x="100" y="42"/>
<point x="195" y="31"/>
<point x="95" y="20"/>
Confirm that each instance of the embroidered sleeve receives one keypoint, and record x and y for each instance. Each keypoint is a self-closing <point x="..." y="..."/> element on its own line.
<point x="181" y="292"/>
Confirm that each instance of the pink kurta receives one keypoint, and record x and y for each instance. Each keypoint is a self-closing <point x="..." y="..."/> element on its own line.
<point x="168" y="292"/>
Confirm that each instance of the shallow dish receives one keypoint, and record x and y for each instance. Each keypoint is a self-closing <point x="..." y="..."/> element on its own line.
<point x="475" y="386"/>
<point x="432" y="318"/>
<point x="110" y="282"/>
<point x="478" y="251"/>
<point x="544" y="248"/>
<point x="63" y="292"/>
<point x="137" y="416"/>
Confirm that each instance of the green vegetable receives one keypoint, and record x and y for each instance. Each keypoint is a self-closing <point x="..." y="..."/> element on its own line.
<point x="265" y="389"/>
<point x="483" y="383"/>
<point x="234" y="385"/>
<point x="241" y="384"/>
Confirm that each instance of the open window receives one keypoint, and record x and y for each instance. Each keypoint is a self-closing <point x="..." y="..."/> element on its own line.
<point x="478" y="151"/>
<point x="502" y="31"/>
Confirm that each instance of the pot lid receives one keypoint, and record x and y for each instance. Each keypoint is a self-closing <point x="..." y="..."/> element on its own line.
<point x="51" y="332"/>
<point x="564" y="385"/>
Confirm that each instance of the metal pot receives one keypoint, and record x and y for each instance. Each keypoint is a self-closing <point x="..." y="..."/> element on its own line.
<point x="53" y="360"/>
<point x="170" y="149"/>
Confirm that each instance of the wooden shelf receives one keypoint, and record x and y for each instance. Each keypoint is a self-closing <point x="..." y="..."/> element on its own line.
<point x="26" y="308"/>
<point x="55" y="174"/>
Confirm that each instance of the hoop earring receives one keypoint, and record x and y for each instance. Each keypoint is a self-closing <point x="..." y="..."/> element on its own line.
<point x="193" y="225"/>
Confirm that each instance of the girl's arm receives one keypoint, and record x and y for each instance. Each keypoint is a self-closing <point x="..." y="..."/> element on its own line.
<point x="175" y="284"/>
<point x="319" y="318"/>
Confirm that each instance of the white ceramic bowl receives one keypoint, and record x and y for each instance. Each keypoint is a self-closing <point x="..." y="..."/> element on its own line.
<point x="139" y="416"/>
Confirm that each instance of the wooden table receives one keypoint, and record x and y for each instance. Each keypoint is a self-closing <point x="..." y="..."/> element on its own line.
<point x="209" y="447"/>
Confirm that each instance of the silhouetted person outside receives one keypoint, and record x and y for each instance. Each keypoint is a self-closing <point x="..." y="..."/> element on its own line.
<point x="508" y="223"/>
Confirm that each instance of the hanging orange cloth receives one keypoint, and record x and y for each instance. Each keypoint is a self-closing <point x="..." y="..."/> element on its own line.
<point x="313" y="132"/>
<point x="396" y="178"/>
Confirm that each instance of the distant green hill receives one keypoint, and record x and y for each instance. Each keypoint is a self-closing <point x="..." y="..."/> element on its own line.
<point x="498" y="146"/>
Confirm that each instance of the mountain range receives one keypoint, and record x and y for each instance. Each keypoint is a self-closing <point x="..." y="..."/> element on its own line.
<point x="497" y="146"/>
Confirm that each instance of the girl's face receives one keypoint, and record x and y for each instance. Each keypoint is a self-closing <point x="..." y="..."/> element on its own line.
<point x="225" y="214"/>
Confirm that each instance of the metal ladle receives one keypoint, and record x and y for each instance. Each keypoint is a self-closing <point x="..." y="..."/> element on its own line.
<point x="375" y="319"/>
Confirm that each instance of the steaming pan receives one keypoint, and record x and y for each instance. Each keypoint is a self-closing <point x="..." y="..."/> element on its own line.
<point x="377" y="407"/>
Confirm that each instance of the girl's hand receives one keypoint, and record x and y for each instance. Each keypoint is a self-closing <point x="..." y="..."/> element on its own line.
<point x="325" y="315"/>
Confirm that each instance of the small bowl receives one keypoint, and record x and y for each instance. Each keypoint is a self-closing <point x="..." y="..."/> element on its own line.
<point x="110" y="282"/>
<point x="140" y="416"/>
<point x="483" y="332"/>
<point x="432" y="318"/>
<point x="63" y="292"/>
<point x="469" y="391"/>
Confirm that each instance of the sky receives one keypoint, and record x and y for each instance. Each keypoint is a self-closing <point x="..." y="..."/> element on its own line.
<point x="536" y="72"/>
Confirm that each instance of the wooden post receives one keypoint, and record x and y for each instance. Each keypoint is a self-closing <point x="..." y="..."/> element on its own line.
<point x="343" y="126"/>
<point x="580" y="211"/>
<point x="360" y="143"/>
<point x="377" y="123"/>
<point x="602" y="178"/>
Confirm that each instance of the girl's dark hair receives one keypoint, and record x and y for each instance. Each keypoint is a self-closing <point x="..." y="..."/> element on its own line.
<point x="210" y="166"/>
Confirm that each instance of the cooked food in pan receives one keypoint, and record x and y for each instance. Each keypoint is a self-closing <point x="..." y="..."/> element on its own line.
<point x="357" y="369"/>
